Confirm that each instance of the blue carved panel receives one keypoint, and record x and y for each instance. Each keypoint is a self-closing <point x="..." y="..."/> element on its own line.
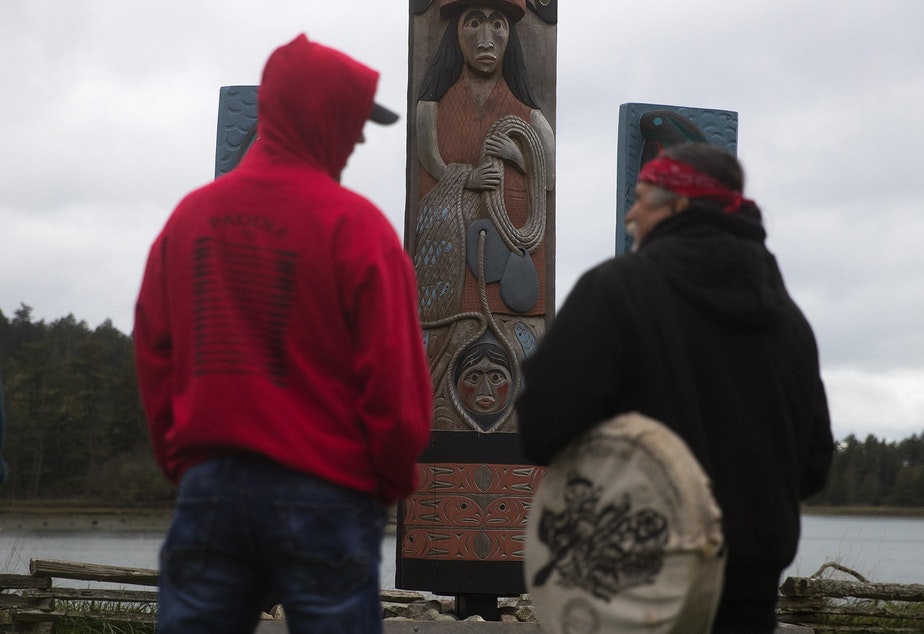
<point x="646" y="128"/>
<point x="237" y="126"/>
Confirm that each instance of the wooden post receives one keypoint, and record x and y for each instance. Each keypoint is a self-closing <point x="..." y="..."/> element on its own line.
<point x="237" y="126"/>
<point x="480" y="228"/>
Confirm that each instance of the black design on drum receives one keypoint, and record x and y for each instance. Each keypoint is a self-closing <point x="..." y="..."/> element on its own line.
<point x="601" y="551"/>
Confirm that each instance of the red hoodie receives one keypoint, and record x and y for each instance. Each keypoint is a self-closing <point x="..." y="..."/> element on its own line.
<point x="277" y="314"/>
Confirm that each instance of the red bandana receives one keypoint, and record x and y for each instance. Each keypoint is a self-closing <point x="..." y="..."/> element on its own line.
<point x="685" y="180"/>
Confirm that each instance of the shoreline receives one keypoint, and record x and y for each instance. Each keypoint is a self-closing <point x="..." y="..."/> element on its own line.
<point x="76" y="517"/>
<point x="864" y="511"/>
<point x="72" y="516"/>
<point x="69" y="516"/>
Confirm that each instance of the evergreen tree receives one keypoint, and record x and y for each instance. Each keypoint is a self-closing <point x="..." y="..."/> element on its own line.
<point x="75" y="424"/>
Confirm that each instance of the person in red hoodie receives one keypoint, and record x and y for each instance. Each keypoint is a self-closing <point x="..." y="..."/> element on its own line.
<point x="281" y="366"/>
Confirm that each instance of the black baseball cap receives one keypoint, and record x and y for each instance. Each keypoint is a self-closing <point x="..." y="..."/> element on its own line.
<point x="382" y="115"/>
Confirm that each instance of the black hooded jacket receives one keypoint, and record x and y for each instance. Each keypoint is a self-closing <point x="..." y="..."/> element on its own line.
<point x="696" y="330"/>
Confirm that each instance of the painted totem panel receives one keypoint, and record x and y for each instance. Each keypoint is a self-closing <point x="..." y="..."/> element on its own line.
<point x="644" y="129"/>
<point x="480" y="229"/>
<point x="237" y="126"/>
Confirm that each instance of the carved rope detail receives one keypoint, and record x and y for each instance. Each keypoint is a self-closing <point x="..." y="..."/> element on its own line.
<point x="532" y="233"/>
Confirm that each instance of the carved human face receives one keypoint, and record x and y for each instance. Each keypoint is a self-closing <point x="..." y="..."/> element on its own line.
<point x="483" y="35"/>
<point x="484" y="388"/>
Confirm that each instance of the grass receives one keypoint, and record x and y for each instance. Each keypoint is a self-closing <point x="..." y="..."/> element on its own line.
<point x="95" y="617"/>
<point x="10" y="559"/>
<point x="87" y="617"/>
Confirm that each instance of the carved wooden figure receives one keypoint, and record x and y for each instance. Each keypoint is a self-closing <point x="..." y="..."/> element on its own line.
<point x="485" y="172"/>
<point x="480" y="228"/>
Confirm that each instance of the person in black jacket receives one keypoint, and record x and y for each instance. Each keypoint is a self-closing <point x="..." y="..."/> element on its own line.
<point x="695" y="329"/>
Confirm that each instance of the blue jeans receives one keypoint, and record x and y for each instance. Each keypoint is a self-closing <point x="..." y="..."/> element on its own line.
<point x="248" y="533"/>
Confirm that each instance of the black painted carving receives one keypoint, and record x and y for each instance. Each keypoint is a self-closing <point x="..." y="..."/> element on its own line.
<point x="420" y="6"/>
<point x="547" y="10"/>
<point x="495" y="254"/>
<point x="664" y="128"/>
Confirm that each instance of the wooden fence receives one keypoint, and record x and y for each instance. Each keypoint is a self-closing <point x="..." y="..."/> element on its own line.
<point x="835" y="606"/>
<point x="33" y="604"/>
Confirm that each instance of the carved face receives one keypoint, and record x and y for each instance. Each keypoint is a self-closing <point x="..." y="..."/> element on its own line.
<point x="484" y="388"/>
<point x="483" y="34"/>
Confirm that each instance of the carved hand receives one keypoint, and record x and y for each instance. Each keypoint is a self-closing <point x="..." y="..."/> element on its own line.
<point x="484" y="177"/>
<point x="503" y="147"/>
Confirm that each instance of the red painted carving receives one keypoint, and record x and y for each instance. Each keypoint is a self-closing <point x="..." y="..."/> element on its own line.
<point x="482" y="478"/>
<point x="464" y="510"/>
<point x="473" y="544"/>
<point x="467" y="512"/>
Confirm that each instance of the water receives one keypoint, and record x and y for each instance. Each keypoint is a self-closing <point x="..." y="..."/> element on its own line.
<point x="883" y="549"/>
<point x="112" y="548"/>
<point x="129" y="549"/>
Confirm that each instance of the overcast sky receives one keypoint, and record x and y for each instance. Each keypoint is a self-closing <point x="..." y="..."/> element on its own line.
<point x="110" y="118"/>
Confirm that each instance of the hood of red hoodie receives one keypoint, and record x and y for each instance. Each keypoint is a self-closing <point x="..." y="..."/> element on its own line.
<point x="312" y="104"/>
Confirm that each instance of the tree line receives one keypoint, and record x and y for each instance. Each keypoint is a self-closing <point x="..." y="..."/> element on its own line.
<point x="75" y="427"/>
<point x="874" y="472"/>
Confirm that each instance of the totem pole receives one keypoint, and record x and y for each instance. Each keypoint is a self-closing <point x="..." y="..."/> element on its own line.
<point x="480" y="229"/>
<point x="644" y="129"/>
